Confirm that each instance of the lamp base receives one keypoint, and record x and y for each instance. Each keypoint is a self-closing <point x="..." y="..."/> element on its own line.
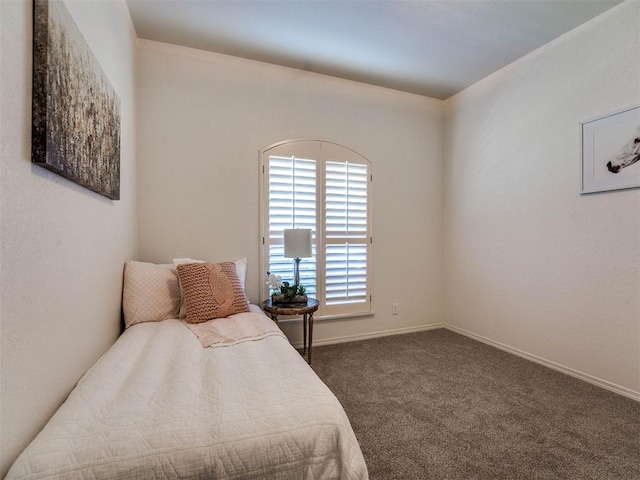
<point x="296" y="271"/>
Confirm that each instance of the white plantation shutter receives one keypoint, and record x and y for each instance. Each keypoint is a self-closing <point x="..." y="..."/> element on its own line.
<point x="346" y="231"/>
<point x="346" y="273"/>
<point x="292" y="204"/>
<point x="346" y="200"/>
<point x="324" y="187"/>
<point x="292" y="194"/>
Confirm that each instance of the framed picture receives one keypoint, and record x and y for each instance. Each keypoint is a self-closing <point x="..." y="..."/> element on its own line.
<point x="611" y="151"/>
<point x="76" y="113"/>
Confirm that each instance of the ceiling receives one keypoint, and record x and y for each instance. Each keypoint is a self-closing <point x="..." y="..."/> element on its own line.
<point x="430" y="47"/>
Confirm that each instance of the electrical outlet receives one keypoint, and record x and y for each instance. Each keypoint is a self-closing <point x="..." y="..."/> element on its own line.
<point x="394" y="309"/>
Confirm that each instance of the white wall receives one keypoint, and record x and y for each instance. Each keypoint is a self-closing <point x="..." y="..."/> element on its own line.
<point x="204" y="117"/>
<point x="62" y="247"/>
<point x="529" y="262"/>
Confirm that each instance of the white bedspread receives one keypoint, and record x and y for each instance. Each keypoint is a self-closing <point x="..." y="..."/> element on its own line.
<point x="158" y="405"/>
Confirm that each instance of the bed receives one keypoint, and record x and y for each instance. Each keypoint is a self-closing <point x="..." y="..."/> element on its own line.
<point x="158" y="404"/>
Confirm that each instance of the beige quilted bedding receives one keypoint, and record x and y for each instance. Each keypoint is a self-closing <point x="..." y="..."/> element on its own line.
<point x="158" y="405"/>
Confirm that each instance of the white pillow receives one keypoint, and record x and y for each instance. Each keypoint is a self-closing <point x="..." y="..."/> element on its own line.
<point x="150" y="293"/>
<point x="241" y="270"/>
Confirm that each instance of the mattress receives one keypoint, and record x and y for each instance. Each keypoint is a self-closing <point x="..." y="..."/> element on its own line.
<point x="159" y="405"/>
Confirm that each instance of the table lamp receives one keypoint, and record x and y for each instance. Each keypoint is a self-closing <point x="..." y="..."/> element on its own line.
<point x="297" y="245"/>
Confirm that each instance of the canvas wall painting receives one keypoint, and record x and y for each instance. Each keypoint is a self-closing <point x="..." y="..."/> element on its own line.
<point x="611" y="151"/>
<point x="76" y="112"/>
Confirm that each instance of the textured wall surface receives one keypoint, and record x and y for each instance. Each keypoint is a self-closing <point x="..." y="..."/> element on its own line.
<point x="203" y="119"/>
<point x="62" y="246"/>
<point x="529" y="262"/>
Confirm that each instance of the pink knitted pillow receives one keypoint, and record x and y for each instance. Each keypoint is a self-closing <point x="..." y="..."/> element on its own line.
<point x="211" y="290"/>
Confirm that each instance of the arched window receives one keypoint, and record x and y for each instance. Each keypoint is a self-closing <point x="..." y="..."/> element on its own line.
<point x="325" y="187"/>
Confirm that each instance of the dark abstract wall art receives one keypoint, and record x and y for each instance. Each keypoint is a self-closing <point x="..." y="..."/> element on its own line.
<point x="76" y="112"/>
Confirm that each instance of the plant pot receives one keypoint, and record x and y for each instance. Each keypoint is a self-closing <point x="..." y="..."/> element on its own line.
<point x="294" y="300"/>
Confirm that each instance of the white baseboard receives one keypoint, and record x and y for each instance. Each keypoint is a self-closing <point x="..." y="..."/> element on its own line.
<point x="367" y="336"/>
<point x="626" y="392"/>
<point x="547" y="363"/>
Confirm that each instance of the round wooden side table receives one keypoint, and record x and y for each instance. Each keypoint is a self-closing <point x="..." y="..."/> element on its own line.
<point x="306" y="310"/>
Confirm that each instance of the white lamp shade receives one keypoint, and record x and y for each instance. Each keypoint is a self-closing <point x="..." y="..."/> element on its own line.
<point x="297" y="242"/>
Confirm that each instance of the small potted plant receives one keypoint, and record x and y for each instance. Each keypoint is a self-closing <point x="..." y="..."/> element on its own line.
<point x="283" y="293"/>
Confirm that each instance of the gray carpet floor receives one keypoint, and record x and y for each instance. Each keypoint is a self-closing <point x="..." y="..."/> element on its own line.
<point x="438" y="405"/>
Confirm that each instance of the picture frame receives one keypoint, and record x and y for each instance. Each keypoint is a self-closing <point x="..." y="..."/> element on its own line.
<point x="76" y="112"/>
<point x="611" y="151"/>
